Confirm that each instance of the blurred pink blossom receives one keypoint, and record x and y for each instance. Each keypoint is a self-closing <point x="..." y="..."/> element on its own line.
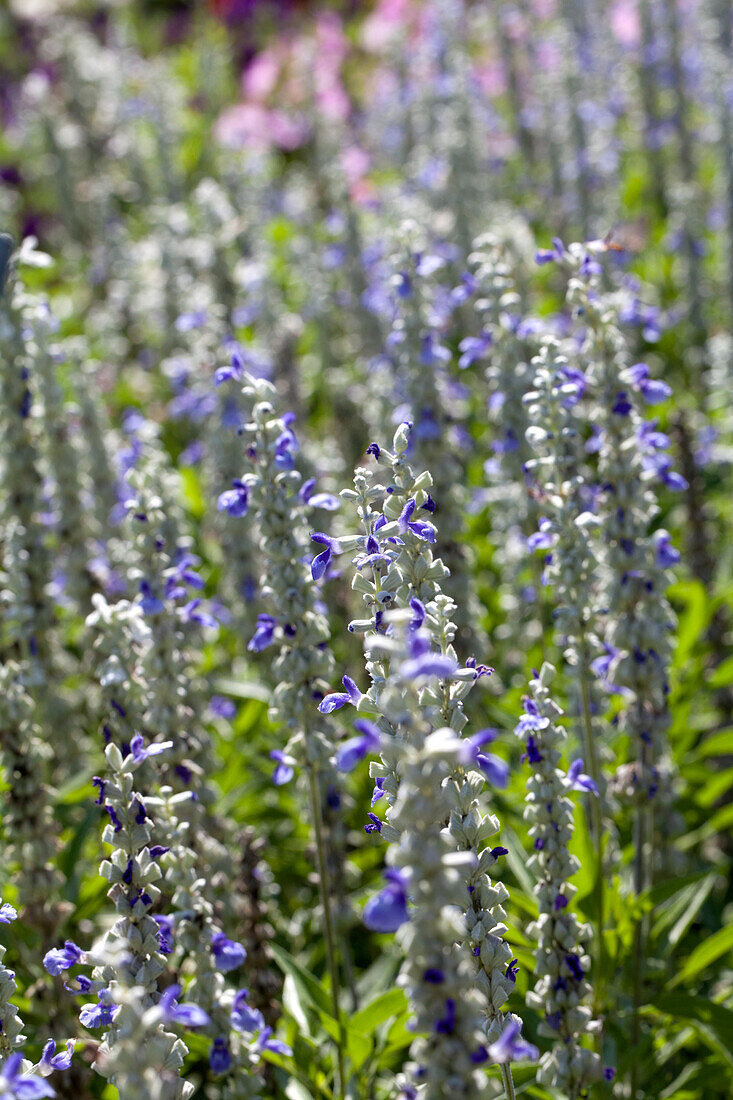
<point x="625" y="22"/>
<point x="260" y="76"/>
<point x="549" y="55"/>
<point x="388" y="19"/>
<point x="250" y="125"/>
<point x="491" y="78"/>
<point x="355" y="163"/>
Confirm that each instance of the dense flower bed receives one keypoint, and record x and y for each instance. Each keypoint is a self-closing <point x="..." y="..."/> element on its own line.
<point x="366" y="694"/>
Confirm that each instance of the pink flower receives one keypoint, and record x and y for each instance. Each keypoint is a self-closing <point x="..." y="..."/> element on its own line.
<point x="260" y="76"/>
<point x="288" y="131"/>
<point x="355" y="163"/>
<point x="491" y="78"/>
<point x="386" y="21"/>
<point x="625" y="23"/>
<point x="333" y="102"/>
<point x="244" y="125"/>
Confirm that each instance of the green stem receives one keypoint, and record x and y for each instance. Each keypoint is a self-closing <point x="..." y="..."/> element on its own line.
<point x="506" y="1077"/>
<point x="323" y="885"/>
<point x="596" y="819"/>
<point x="642" y="836"/>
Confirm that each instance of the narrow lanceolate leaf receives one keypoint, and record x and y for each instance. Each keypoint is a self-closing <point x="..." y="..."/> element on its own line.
<point x="714" y="1021"/>
<point x="709" y="951"/>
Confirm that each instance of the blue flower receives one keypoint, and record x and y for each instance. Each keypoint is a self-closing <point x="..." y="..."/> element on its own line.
<point x="422" y="529"/>
<point x="468" y="753"/>
<point x="577" y="781"/>
<point x="286" y="444"/>
<point x="543" y="538"/>
<point x="577" y="385"/>
<point x="187" y="1015"/>
<point x="264" y="633"/>
<point x="166" y="927"/>
<point x="193" y="454"/>
<point x="150" y="603"/>
<point x="427" y="263"/>
<point x="446" y="1024"/>
<point x="222" y="707"/>
<point x="51" y="1060"/>
<point x="652" y="390"/>
<point x="353" y="751"/>
<point x="62" y="958"/>
<point x="419" y="613"/>
<point x="100" y="1014"/>
<point x="666" y="553"/>
<point x="473" y="347"/>
<point x="674" y="481"/>
<point x="228" y="955"/>
<point x="496" y="769"/>
<point x="601" y="666"/>
<point x="373" y="551"/>
<point x="530" y="721"/>
<point x="431" y="352"/>
<point x="234" y="370"/>
<point x="187" y="321"/>
<point x="547" y="255"/>
<point x="621" y="406"/>
<point x="244" y="1017"/>
<point x="7" y="913"/>
<point x="320" y="563"/>
<point x="181" y="571"/>
<point x="284" y="771"/>
<point x="140" y="751"/>
<point x="309" y="496"/>
<point x="468" y="286"/>
<point x="388" y="910"/>
<point x="338" y="699"/>
<point x="220" y="1056"/>
<point x="27" y="1087"/>
<point x="378" y="791"/>
<point x="423" y="661"/>
<point x="533" y="754"/>
<point x="234" y="501"/>
<point x="193" y="612"/>
<point x="264" y="1042"/>
<point x="511" y="1047"/>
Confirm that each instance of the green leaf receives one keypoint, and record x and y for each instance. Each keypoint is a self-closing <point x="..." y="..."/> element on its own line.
<point x="517" y="860"/>
<point x="711" y="1020"/>
<point x="244" y="689"/>
<point x="715" y="788"/>
<point x="295" y="1091"/>
<point x="722" y="676"/>
<point x="711" y="949"/>
<point x="358" y="1047"/>
<point x="683" y="923"/>
<point x="192" y="492"/>
<point x="719" y="743"/>
<point x="382" y="1008"/>
<point x="379" y="977"/>
<point x="693" y="620"/>
<point x="309" y="988"/>
<point x="671" y="900"/>
<point x="293" y="1004"/>
<point x="720" y="822"/>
